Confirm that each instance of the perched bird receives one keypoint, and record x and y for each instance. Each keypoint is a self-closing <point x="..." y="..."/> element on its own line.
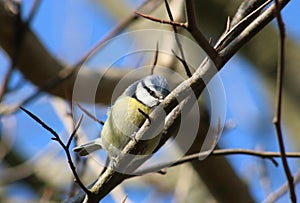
<point x="126" y="116"/>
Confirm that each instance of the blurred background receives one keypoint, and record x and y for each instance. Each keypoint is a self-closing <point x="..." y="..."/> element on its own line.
<point x="34" y="168"/>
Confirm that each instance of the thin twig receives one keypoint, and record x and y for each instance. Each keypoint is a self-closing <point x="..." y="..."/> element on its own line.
<point x="173" y="23"/>
<point x="80" y="163"/>
<point x="65" y="147"/>
<point x="220" y="152"/>
<point x="249" y="32"/>
<point x="234" y="29"/>
<point x="245" y="8"/>
<point x="90" y="115"/>
<point x="277" y="115"/>
<point x="155" y="59"/>
<point x="183" y="61"/>
<point x="186" y="68"/>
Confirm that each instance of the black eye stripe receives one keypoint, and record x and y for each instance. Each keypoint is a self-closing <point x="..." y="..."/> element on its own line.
<point x="151" y="92"/>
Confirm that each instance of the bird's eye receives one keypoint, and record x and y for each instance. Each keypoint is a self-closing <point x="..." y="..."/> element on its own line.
<point x="152" y="93"/>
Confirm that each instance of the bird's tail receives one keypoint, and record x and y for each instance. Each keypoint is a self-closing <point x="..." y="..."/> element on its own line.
<point x="88" y="148"/>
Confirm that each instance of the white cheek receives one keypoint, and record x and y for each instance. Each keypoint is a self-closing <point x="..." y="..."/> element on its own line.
<point x="144" y="96"/>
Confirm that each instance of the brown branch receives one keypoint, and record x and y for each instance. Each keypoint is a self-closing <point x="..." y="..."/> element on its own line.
<point x="90" y="115"/>
<point x="235" y="28"/>
<point x="66" y="147"/>
<point x="191" y="26"/>
<point x="250" y="31"/>
<point x="220" y="152"/>
<point x="183" y="61"/>
<point x="277" y="115"/>
<point x="197" y="34"/>
<point x="246" y="8"/>
<point x="173" y="23"/>
<point x="80" y="163"/>
<point x="155" y="59"/>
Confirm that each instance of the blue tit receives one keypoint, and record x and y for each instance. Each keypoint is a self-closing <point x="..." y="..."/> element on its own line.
<point x="127" y="115"/>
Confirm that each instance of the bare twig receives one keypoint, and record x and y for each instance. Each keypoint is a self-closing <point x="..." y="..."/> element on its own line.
<point x="191" y="26"/>
<point x="173" y="23"/>
<point x="90" y="115"/>
<point x="64" y="146"/>
<point x="221" y="152"/>
<point x="197" y="34"/>
<point x="246" y="8"/>
<point x="80" y="163"/>
<point x="183" y="61"/>
<point x="277" y="115"/>
<point x="155" y="59"/>
<point x="251" y="30"/>
<point x="235" y="28"/>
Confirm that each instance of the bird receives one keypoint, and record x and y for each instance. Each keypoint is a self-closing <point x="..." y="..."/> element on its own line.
<point x="126" y="116"/>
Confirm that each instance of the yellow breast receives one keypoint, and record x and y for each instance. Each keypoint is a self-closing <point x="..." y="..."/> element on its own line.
<point x="124" y="119"/>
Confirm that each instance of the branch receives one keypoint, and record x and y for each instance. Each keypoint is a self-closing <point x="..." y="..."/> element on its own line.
<point x="64" y="146"/>
<point x="155" y="59"/>
<point x="197" y="34"/>
<point x="238" y="24"/>
<point x="174" y="25"/>
<point x="251" y="30"/>
<point x="219" y="152"/>
<point x="183" y="61"/>
<point x="191" y="26"/>
<point x="168" y="22"/>
<point x="90" y="115"/>
<point x="277" y="116"/>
